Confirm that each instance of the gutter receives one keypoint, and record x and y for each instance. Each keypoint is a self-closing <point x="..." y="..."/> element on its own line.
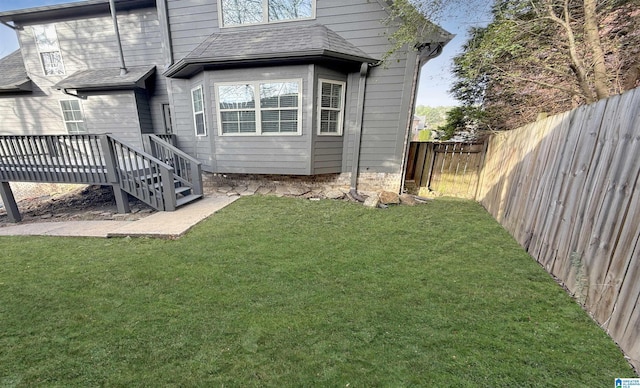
<point x="355" y="165"/>
<point x="422" y="58"/>
<point x="12" y="26"/>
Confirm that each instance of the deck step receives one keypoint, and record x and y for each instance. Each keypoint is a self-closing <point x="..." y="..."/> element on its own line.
<point x="187" y="199"/>
<point x="183" y="190"/>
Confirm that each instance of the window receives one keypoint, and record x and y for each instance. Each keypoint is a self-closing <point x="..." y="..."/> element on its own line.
<point x="256" y="108"/>
<point x="48" y="49"/>
<point x="239" y="12"/>
<point x="330" y="107"/>
<point x="197" y="100"/>
<point x="72" y="116"/>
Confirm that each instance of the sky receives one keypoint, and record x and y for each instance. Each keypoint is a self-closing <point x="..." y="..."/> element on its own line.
<point x="435" y="80"/>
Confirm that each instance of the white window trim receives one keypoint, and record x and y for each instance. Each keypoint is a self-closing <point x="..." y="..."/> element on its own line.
<point x="265" y="13"/>
<point x="64" y="71"/>
<point x="203" y="112"/>
<point x="258" y="109"/>
<point x="64" y="121"/>
<point x="341" y="109"/>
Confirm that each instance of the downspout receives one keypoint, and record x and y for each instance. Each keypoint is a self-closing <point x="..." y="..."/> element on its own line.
<point x="165" y="28"/>
<point x="421" y="60"/>
<point x="355" y="165"/>
<point x="123" y="67"/>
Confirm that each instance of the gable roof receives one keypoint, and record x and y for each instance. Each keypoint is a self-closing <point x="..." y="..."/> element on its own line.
<point x="107" y="79"/>
<point x="273" y="45"/>
<point x="14" y="75"/>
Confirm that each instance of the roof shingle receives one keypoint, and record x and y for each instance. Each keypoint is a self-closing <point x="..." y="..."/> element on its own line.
<point x="274" y="44"/>
<point x="105" y="79"/>
<point x="13" y="75"/>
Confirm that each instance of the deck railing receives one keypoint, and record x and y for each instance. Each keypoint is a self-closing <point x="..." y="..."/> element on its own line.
<point x="187" y="170"/>
<point x="96" y="159"/>
<point x="142" y="175"/>
<point x="53" y="158"/>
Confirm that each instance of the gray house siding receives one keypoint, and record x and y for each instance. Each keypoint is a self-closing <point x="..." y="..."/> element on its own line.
<point x="100" y="110"/>
<point x="89" y="43"/>
<point x="144" y="112"/>
<point x="183" y="125"/>
<point x="27" y="114"/>
<point x="190" y="22"/>
<point x="388" y="93"/>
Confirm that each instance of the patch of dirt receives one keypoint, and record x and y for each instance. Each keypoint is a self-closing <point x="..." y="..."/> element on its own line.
<point x="82" y="204"/>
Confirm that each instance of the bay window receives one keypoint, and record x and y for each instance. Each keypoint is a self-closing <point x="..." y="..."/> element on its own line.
<point x="257" y="108"/>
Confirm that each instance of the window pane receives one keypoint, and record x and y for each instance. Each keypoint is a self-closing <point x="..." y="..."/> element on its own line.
<point x="289" y="115"/>
<point x="235" y="12"/>
<point x="331" y="95"/>
<point x="236" y="97"/>
<point x="270" y="127"/>
<point x="200" y="128"/>
<point x="52" y="63"/>
<point x="248" y="115"/>
<point x="279" y="94"/>
<point x="270" y="115"/>
<point x="246" y="127"/>
<point x="229" y="116"/>
<point x="46" y="38"/>
<point x="197" y="99"/>
<point x="289" y="9"/>
<point x="230" y="128"/>
<point x="289" y="126"/>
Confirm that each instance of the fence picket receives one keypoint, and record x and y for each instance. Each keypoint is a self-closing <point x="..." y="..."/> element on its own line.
<point x="567" y="188"/>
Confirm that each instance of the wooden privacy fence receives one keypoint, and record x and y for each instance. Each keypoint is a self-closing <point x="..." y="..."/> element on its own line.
<point x="567" y="188"/>
<point x="445" y="168"/>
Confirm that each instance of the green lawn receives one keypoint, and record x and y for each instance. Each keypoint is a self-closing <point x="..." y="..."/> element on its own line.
<point x="287" y="292"/>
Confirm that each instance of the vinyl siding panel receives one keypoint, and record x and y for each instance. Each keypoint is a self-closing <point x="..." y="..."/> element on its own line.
<point x="100" y="110"/>
<point x="190" y="22"/>
<point x="90" y="43"/>
<point x="31" y="114"/>
<point x="144" y="112"/>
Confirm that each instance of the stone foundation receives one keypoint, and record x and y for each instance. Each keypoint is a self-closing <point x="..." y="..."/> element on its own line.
<point x="316" y="184"/>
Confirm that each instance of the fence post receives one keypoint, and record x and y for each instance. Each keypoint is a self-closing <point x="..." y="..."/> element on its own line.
<point x="430" y="159"/>
<point x="485" y="148"/>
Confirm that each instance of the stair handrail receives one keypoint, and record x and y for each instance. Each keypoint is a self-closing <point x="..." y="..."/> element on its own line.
<point x="187" y="169"/>
<point x="140" y="174"/>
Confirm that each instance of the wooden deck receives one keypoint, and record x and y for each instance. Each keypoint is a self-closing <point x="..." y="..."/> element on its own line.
<point x="164" y="178"/>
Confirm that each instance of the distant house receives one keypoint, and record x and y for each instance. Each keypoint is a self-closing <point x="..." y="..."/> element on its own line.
<point x="245" y="87"/>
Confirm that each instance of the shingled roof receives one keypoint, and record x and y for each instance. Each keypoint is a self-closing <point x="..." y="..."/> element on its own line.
<point x="107" y="79"/>
<point x="13" y="75"/>
<point x="284" y="44"/>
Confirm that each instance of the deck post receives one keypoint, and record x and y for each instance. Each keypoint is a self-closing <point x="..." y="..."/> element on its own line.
<point x="168" y="189"/>
<point x="9" y="202"/>
<point x="122" y="200"/>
